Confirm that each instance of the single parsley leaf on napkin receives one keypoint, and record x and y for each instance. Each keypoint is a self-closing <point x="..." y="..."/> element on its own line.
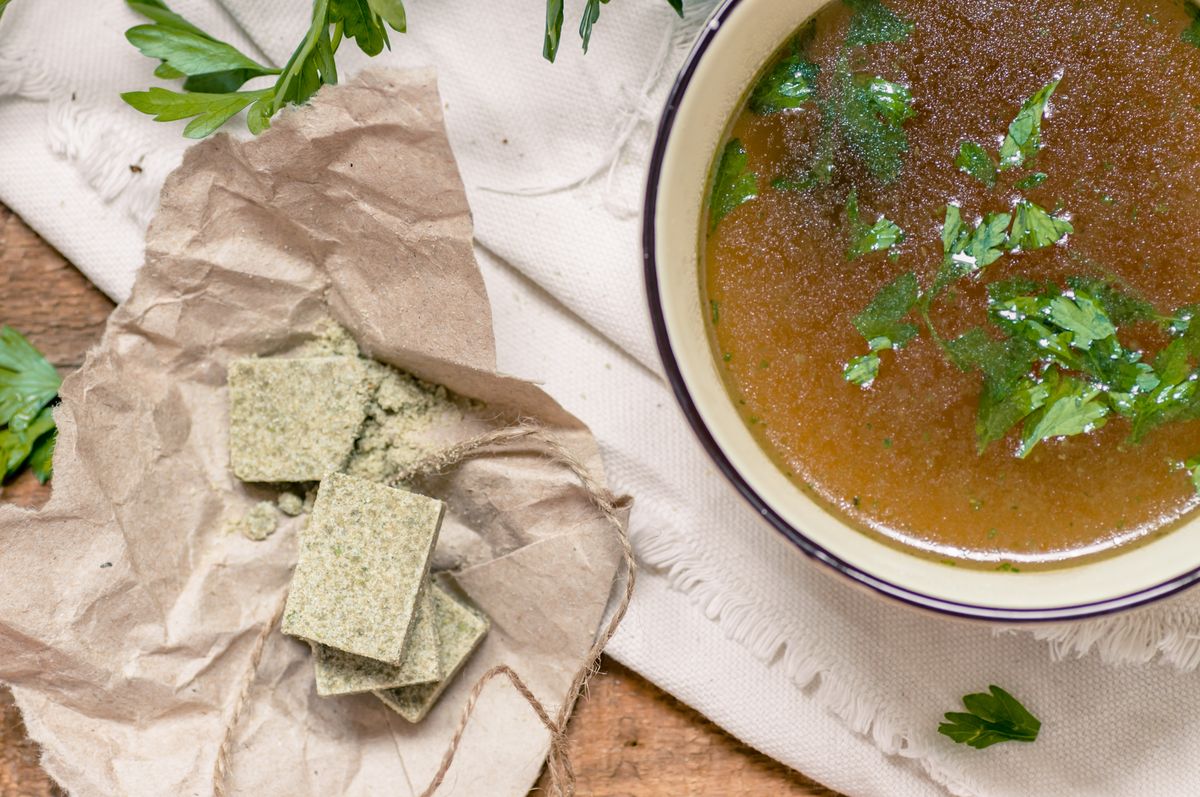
<point x="991" y="717"/>
<point x="732" y="185"/>
<point x="28" y="384"/>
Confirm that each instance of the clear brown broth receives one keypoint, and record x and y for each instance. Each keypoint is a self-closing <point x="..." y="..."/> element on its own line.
<point x="1122" y="151"/>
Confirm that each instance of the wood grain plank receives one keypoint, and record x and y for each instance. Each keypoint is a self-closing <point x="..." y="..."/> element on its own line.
<point x="627" y="737"/>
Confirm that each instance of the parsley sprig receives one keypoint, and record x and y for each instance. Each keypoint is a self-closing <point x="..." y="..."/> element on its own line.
<point x="28" y="386"/>
<point x="733" y="183"/>
<point x="1021" y="143"/>
<point x="990" y="718"/>
<point x="863" y="112"/>
<point x="214" y="72"/>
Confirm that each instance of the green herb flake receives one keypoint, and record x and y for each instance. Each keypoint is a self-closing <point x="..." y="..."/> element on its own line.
<point x="460" y="630"/>
<point x="881" y="321"/>
<point x="258" y="523"/>
<point x="28" y="382"/>
<point x="1072" y="407"/>
<point x="1121" y="304"/>
<point x="1192" y="466"/>
<point x="28" y="385"/>
<point x="864" y="238"/>
<point x="967" y="251"/>
<point x="998" y="414"/>
<point x="875" y="23"/>
<point x="1024" y="136"/>
<point x="789" y="84"/>
<point x="871" y="113"/>
<point x="733" y="183"/>
<point x="1031" y="182"/>
<point x="881" y="324"/>
<point x="862" y="370"/>
<point x="1191" y="34"/>
<point x="715" y="311"/>
<point x="991" y="717"/>
<point x="1034" y="228"/>
<point x="33" y="443"/>
<point x="363" y="560"/>
<point x="974" y="160"/>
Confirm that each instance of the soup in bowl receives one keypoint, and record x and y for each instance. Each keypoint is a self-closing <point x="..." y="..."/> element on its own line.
<point x="923" y="276"/>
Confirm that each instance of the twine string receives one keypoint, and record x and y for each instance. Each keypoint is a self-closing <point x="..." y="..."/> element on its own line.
<point x="558" y="763"/>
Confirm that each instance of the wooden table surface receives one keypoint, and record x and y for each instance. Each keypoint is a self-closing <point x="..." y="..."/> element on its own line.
<point x="627" y="739"/>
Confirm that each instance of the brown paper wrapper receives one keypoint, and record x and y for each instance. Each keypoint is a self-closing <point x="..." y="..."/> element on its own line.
<point x="127" y="616"/>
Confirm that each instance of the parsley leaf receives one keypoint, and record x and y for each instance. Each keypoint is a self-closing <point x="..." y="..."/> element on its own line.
<point x="998" y="414"/>
<point x="975" y="161"/>
<point x="554" y="21"/>
<point x="732" y="185"/>
<point x="1024" y="137"/>
<point x="1030" y="182"/>
<point x="875" y="23"/>
<point x="196" y="55"/>
<point x="1004" y="363"/>
<point x="1191" y="34"/>
<point x="16" y="446"/>
<point x="211" y="110"/>
<point x="881" y="321"/>
<point x="790" y="83"/>
<point x="866" y="238"/>
<point x="994" y="716"/>
<point x="967" y="251"/>
<point x="863" y="112"/>
<point x="862" y="370"/>
<point x="872" y="112"/>
<point x="1121" y="305"/>
<point x="591" y="13"/>
<point x="882" y="324"/>
<point x="41" y="460"/>
<point x="27" y="381"/>
<point x="28" y="384"/>
<point x="1034" y="228"/>
<point x="1073" y="407"/>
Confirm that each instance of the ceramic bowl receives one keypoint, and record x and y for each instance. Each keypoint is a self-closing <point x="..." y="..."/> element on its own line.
<point x="731" y="51"/>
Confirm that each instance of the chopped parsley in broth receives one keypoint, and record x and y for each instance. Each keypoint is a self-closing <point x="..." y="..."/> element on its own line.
<point x="962" y="236"/>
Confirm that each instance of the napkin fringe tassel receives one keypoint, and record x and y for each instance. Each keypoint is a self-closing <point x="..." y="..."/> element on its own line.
<point x="1143" y="636"/>
<point x="106" y="147"/>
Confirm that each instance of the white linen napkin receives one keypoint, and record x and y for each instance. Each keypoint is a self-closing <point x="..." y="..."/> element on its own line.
<point x="841" y="685"/>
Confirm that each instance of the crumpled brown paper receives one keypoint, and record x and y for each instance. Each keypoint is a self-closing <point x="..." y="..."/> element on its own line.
<point x="127" y="616"/>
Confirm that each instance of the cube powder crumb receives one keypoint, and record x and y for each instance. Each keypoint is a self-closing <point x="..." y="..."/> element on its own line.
<point x="290" y="504"/>
<point x="260" y="522"/>
<point x="341" y="673"/>
<point x="460" y="630"/>
<point x="294" y="420"/>
<point x="364" y="557"/>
